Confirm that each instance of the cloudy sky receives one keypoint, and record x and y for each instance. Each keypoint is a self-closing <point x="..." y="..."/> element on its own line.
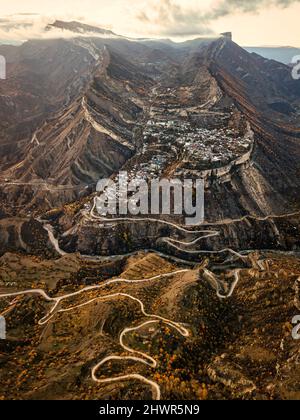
<point x="253" y="22"/>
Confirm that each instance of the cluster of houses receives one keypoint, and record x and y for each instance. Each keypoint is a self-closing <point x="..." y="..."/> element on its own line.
<point x="216" y="147"/>
<point x="149" y="169"/>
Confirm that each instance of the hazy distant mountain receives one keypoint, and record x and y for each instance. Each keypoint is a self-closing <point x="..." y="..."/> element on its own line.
<point x="282" y="54"/>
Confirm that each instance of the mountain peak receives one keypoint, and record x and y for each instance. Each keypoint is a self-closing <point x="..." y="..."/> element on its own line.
<point x="79" y="28"/>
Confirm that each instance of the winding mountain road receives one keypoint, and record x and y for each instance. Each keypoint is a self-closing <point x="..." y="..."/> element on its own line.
<point x="175" y="243"/>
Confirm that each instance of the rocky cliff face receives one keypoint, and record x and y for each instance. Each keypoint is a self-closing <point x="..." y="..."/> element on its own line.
<point x="42" y="77"/>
